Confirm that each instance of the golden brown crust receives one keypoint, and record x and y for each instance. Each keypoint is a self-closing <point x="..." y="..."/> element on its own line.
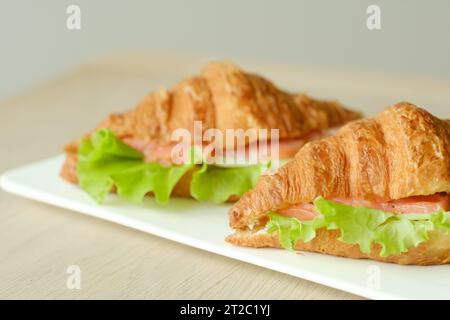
<point x="222" y="97"/>
<point x="403" y="151"/>
<point x="244" y="101"/>
<point x="225" y="97"/>
<point x="435" y="251"/>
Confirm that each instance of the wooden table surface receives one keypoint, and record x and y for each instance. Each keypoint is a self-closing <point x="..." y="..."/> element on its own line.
<point x="38" y="242"/>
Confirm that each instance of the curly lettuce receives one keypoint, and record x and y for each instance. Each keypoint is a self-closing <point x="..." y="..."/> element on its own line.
<point x="361" y="226"/>
<point x="291" y="230"/>
<point x="104" y="162"/>
<point x="217" y="184"/>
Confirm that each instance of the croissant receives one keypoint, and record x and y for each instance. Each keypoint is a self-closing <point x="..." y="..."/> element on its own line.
<point x="221" y="97"/>
<point x="402" y="152"/>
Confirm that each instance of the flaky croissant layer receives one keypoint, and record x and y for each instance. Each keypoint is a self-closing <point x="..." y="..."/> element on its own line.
<point x="225" y="97"/>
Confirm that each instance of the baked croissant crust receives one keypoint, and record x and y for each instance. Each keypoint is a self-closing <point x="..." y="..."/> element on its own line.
<point x="403" y="151"/>
<point x="221" y="97"/>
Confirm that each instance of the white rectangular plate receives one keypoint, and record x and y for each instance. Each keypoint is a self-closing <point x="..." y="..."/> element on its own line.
<point x="205" y="226"/>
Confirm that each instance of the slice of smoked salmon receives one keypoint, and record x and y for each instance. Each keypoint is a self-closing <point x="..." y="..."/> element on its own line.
<point x="303" y="212"/>
<point x="410" y="205"/>
<point x="287" y="148"/>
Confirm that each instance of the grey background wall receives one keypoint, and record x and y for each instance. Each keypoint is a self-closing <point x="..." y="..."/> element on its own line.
<point x="35" y="43"/>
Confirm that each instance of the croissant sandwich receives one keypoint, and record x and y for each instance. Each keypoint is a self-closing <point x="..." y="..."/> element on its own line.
<point x="133" y="153"/>
<point x="377" y="189"/>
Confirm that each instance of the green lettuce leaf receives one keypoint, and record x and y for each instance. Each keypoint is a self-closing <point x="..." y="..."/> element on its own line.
<point x="134" y="183"/>
<point x="441" y="220"/>
<point x="357" y="224"/>
<point x="291" y="230"/>
<point x="361" y="226"/>
<point x="397" y="235"/>
<point x="217" y="184"/>
<point x="105" y="161"/>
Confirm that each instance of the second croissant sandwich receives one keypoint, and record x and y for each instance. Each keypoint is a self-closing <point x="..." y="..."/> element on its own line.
<point x="131" y="152"/>
<point x="378" y="189"/>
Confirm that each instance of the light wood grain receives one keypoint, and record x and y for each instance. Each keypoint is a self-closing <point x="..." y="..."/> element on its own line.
<point x="38" y="242"/>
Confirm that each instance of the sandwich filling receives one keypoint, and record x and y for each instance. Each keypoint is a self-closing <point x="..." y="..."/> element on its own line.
<point x="135" y="168"/>
<point x="105" y="161"/>
<point x="287" y="148"/>
<point x="396" y="225"/>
